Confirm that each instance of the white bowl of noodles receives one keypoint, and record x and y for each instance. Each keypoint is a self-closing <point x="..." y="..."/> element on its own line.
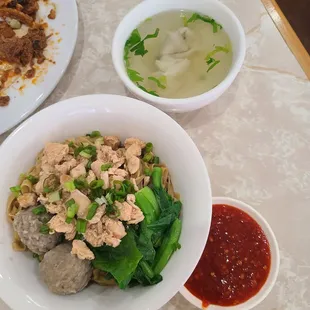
<point x="174" y="73"/>
<point x="20" y="284"/>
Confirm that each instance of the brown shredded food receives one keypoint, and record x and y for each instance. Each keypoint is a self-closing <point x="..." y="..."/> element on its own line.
<point x="21" y="51"/>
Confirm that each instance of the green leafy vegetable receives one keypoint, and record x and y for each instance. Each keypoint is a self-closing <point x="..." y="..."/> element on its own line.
<point x="151" y="92"/>
<point x="121" y="261"/>
<point x="205" y="19"/>
<point x="134" y="75"/>
<point x="139" y="48"/>
<point x="210" y="61"/>
<point x="169" y="246"/>
<point x="146" y="201"/>
<point x="159" y="82"/>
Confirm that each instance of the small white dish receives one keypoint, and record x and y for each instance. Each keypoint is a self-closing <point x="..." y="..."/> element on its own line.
<point x="149" y="8"/>
<point x="60" y="49"/>
<point x="275" y="260"/>
<point x="20" y="285"/>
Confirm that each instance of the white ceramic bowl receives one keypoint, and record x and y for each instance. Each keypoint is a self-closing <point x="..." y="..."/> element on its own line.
<point x="149" y="8"/>
<point x="275" y="260"/>
<point x="20" y="285"/>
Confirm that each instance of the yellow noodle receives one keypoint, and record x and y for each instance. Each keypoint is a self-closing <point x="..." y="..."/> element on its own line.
<point x="12" y="208"/>
<point x="17" y="245"/>
<point x="26" y="186"/>
<point x="99" y="277"/>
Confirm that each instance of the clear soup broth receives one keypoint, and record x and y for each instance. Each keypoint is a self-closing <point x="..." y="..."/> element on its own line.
<point x="178" y="54"/>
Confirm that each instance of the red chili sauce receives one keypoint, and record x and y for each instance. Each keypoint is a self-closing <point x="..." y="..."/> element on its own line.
<point x="236" y="260"/>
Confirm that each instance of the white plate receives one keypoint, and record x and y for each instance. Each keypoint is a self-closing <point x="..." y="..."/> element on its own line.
<point x="20" y="286"/>
<point x="61" y="47"/>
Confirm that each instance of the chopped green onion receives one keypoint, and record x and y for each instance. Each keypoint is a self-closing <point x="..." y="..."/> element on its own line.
<point x="32" y="179"/>
<point x="71" y="144"/>
<point x="88" y="166"/>
<point x="39" y="210"/>
<point x="148" y="157"/>
<point x="92" y="210"/>
<point x="94" y="134"/>
<point x="81" y="226"/>
<point x="54" y="196"/>
<point x="149" y="147"/>
<point x="69" y="186"/>
<point x="72" y="210"/>
<point x="80" y="183"/>
<point x="156" y="160"/>
<point x="85" y="155"/>
<point x="96" y="184"/>
<point x="46" y="189"/>
<point x="44" y="229"/>
<point x="101" y="200"/>
<point x="213" y="65"/>
<point x="79" y="237"/>
<point x="70" y="202"/>
<point x="147" y="172"/>
<point x="109" y="197"/>
<point x="69" y="220"/>
<point x="16" y="190"/>
<point x="106" y="167"/>
<point x="112" y="211"/>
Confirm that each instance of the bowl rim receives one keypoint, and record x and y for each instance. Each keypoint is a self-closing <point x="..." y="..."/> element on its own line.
<point x="274" y="269"/>
<point x="162" y="101"/>
<point x="82" y="103"/>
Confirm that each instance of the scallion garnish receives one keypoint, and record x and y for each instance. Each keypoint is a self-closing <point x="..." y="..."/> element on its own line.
<point x="16" y="190"/>
<point x="101" y="200"/>
<point x="94" y="134"/>
<point x="148" y="157"/>
<point x="96" y="184"/>
<point x="71" y="144"/>
<point x="147" y="172"/>
<point x="69" y="220"/>
<point x="54" y="196"/>
<point x="112" y="211"/>
<point x="149" y="147"/>
<point x="32" y="179"/>
<point x="72" y="210"/>
<point x="110" y="198"/>
<point x="88" y="165"/>
<point x="70" y="202"/>
<point x="80" y="183"/>
<point x="69" y="186"/>
<point x="156" y="160"/>
<point x="44" y="229"/>
<point x="106" y="167"/>
<point x="47" y="190"/>
<point x="92" y="210"/>
<point x="81" y="226"/>
<point x="39" y="210"/>
<point x="85" y="155"/>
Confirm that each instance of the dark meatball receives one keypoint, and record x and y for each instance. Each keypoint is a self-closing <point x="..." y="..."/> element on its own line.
<point x="27" y="225"/>
<point x="63" y="272"/>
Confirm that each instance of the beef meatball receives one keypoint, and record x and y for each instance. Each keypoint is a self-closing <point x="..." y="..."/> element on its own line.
<point x="27" y="225"/>
<point x="63" y="272"/>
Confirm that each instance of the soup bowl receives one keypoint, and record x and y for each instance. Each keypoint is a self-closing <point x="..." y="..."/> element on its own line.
<point x="20" y="284"/>
<point x="149" y="8"/>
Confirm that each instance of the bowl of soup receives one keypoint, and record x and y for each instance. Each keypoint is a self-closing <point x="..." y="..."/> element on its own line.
<point x="179" y="55"/>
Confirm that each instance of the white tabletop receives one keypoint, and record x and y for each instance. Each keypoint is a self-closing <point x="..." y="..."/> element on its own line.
<point x="255" y="139"/>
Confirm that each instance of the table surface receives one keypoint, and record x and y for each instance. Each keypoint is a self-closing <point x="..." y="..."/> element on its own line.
<point x="255" y="139"/>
